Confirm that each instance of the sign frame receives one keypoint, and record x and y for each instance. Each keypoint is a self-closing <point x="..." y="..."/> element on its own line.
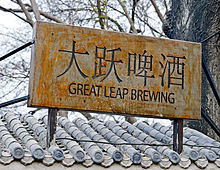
<point x="63" y="46"/>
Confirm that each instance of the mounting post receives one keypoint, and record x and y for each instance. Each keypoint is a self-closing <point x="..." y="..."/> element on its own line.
<point x="51" y="126"/>
<point x="175" y="131"/>
<point x="178" y="135"/>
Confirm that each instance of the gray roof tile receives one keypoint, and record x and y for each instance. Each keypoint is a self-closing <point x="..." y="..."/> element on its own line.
<point x="155" y="156"/>
<point x="193" y="154"/>
<point x="6" y="158"/>
<point x="93" y="135"/>
<point x="217" y="162"/>
<point x="146" y="162"/>
<point x="185" y="162"/>
<point x="68" y="160"/>
<point x="165" y="163"/>
<point x="24" y="139"/>
<point x="10" y="142"/>
<point x="27" y="159"/>
<point x="202" y="162"/>
<point x="93" y="150"/>
<point x="28" y="140"/>
<point x="134" y="155"/>
<point x="173" y="156"/>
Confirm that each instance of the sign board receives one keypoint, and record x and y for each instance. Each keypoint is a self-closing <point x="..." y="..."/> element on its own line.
<point x="95" y="70"/>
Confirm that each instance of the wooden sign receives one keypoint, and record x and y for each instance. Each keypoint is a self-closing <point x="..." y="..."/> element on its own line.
<point x="95" y="70"/>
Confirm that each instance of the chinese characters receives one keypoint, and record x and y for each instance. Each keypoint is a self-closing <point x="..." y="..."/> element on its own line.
<point x="174" y="66"/>
<point x="99" y="63"/>
<point x="100" y="60"/>
<point x="141" y="65"/>
<point x="73" y="58"/>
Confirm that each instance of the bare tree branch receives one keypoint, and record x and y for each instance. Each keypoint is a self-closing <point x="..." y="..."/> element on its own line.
<point x="13" y="10"/>
<point x="165" y="5"/>
<point x="28" y="16"/>
<point x="151" y="28"/>
<point x="106" y="14"/>
<point x="115" y="22"/>
<point x="29" y="9"/>
<point x="8" y="10"/>
<point x="35" y="9"/>
<point x="135" y="2"/>
<point x="71" y="9"/>
<point x="157" y="10"/>
<point x="101" y="22"/>
<point x="128" y="17"/>
<point x="116" y="9"/>
<point x="48" y="16"/>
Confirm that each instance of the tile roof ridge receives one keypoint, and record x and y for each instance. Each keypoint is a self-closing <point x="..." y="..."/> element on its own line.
<point x="93" y="135"/>
<point x="201" y="139"/>
<point x="147" y="150"/>
<point x="133" y="154"/>
<point x="21" y="132"/>
<point x="10" y="142"/>
<point x="92" y="148"/>
<point x="209" y="154"/>
<point x="142" y="127"/>
<point x="192" y="153"/>
<point x="75" y="149"/>
<point x="34" y="124"/>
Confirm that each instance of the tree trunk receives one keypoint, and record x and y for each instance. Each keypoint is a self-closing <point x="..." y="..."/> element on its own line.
<point x="194" y="20"/>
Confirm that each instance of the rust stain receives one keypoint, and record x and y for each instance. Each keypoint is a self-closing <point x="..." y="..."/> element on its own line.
<point x="95" y="82"/>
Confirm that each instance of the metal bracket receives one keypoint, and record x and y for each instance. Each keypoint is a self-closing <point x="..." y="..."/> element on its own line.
<point x="178" y="135"/>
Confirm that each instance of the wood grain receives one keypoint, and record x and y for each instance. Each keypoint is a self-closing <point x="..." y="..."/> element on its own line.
<point x="100" y="71"/>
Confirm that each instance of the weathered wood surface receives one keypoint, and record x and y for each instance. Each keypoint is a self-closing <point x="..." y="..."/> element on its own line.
<point x="87" y="69"/>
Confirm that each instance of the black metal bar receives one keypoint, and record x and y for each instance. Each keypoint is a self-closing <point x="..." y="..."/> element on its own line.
<point x="180" y="135"/>
<point x="210" y="122"/>
<point x="209" y="37"/>
<point x="51" y="126"/>
<point x="13" y="101"/>
<point x="210" y="79"/>
<point x="16" y="50"/>
<point x="175" y="130"/>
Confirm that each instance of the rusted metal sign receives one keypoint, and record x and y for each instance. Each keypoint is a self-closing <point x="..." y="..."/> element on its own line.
<point x="95" y="70"/>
